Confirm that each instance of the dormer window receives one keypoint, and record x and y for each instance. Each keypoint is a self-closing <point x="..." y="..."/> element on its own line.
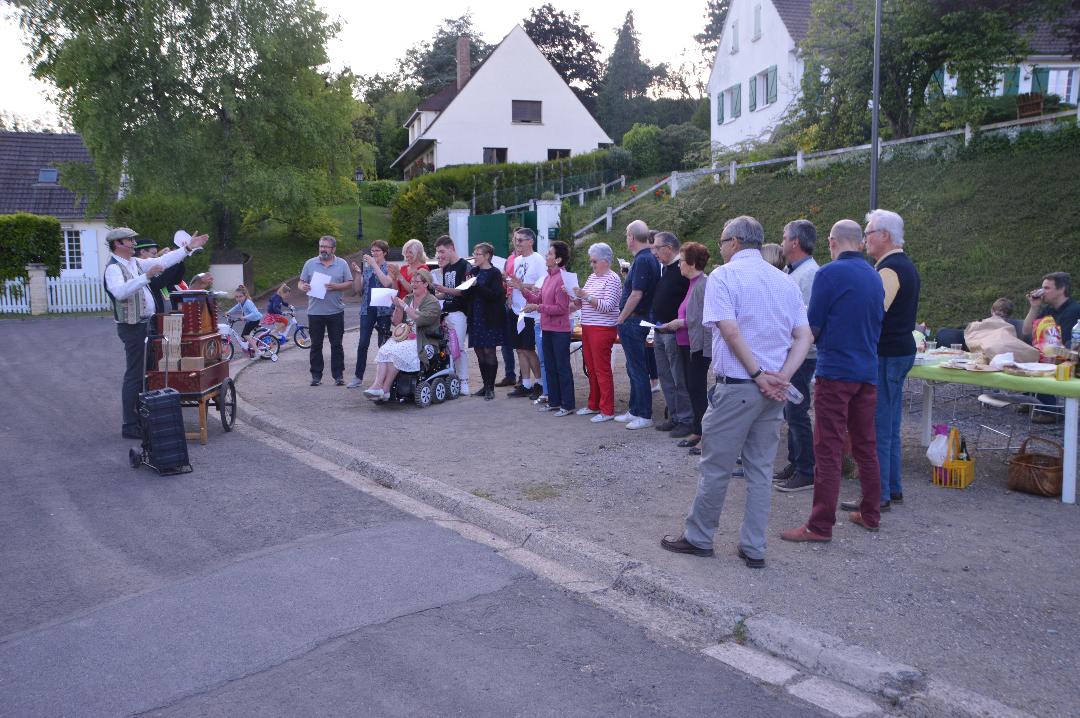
<point x="48" y="175"/>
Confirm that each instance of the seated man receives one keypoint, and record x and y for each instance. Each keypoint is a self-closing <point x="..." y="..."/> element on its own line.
<point x="1050" y="321"/>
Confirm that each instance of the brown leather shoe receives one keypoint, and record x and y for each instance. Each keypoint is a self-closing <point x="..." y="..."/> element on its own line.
<point x="856" y="518"/>
<point x="506" y="381"/>
<point x="681" y="545"/>
<point x="804" y="535"/>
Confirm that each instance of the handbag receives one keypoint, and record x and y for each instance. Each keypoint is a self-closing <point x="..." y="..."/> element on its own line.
<point x="401" y="332"/>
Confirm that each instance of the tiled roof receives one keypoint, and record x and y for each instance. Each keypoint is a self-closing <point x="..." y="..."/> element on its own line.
<point x="796" y="17"/>
<point x="1044" y="41"/>
<point x="440" y="100"/>
<point x="22" y="156"/>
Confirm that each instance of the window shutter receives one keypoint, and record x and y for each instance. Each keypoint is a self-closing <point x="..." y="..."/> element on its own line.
<point x="770" y="84"/>
<point x="1040" y="80"/>
<point x="720" y="108"/>
<point x="939" y="80"/>
<point x="736" y="100"/>
<point x="1012" y="81"/>
<point x="753" y="92"/>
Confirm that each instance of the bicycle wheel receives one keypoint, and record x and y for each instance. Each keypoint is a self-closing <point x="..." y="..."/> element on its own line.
<point x="266" y="344"/>
<point x="301" y="338"/>
<point x="226" y="349"/>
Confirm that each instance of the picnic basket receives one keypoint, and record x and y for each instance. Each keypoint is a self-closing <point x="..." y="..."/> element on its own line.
<point x="1038" y="474"/>
<point x="956" y="473"/>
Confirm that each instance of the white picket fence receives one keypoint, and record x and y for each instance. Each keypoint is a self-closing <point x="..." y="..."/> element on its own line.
<point x="76" y="294"/>
<point x="15" y="297"/>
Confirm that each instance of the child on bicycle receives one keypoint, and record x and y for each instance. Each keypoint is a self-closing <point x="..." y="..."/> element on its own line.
<point x="245" y="308"/>
<point x="279" y="301"/>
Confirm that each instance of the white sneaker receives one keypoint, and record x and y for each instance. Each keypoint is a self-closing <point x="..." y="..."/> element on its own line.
<point x="639" y="423"/>
<point x="601" y="418"/>
<point x="542" y="399"/>
<point x="355" y="382"/>
<point x="624" y="418"/>
<point x="373" y="393"/>
<point x="464" y="388"/>
<point x="584" y="411"/>
<point x="563" y="412"/>
<point x="655" y="388"/>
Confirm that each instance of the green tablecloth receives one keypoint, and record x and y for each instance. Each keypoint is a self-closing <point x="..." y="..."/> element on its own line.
<point x="999" y="380"/>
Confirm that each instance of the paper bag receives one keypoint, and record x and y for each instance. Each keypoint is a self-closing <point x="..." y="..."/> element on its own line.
<point x="994" y="336"/>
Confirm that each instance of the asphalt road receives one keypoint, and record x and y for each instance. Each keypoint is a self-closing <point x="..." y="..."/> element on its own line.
<point x="257" y="585"/>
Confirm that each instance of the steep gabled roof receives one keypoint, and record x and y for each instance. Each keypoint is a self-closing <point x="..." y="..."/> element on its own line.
<point x="440" y="100"/>
<point x="22" y="156"/>
<point x="796" y="17"/>
<point x="1045" y="41"/>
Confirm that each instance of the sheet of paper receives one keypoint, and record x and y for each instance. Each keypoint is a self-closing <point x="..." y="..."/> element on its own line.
<point x="466" y="284"/>
<point x="648" y="325"/>
<point x="570" y="281"/>
<point x="521" y="323"/>
<point x="437" y="277"/>
<point x="382" y="297"/>
<point x="499" y="263"/>
<point x="181" y="238"/>
<point x="319" y="280"/>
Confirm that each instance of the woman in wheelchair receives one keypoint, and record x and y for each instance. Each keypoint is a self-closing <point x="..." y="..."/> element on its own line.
<point x="416" y="327"/>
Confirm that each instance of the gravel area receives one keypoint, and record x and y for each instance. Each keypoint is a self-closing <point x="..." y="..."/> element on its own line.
<point x="978" y="587"/>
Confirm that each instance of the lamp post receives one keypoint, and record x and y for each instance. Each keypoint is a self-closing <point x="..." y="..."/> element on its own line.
<point x="359" y="177"/>
<point x="874" y="139"/>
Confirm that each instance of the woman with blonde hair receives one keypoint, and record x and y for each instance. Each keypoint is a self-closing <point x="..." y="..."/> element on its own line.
<point x="415" y="258"/>
<point x="774" y="254"/>
<point x="420" y="312"/>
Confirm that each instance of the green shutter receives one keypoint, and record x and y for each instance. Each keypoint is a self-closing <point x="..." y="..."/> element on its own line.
<point x="770" y="84"/>
<point x="753" y="92"/>
<point x="720" y="108"/>
<point x="939" y="82"/>
<point x="1040" y="80"/>
<point x="736" y="100"/>
<point x="1012" y="81"/>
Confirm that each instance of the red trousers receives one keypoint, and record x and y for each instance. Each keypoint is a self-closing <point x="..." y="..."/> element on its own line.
<point x="596" y="343"/>
<point x="839" y="407"/>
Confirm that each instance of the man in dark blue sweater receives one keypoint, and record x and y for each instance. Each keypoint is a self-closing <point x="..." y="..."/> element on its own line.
<point x="846" y="309"/>
<point x="884" y="237"/>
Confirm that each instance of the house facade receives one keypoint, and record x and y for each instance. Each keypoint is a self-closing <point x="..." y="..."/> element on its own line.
<point x="757" y="73"/>
<point x="514" y="108"/>
<point x="30" y="172"/>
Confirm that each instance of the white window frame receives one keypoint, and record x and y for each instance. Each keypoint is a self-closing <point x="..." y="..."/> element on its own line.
<point x="1054" y="82"/>
<point x="72" y="258"/>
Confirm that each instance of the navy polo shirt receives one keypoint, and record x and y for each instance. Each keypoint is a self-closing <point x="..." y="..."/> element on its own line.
<point x="847" y="304"/>
<point x="644" y="275"/>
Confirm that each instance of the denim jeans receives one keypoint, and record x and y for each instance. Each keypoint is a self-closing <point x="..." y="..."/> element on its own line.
<point x="508" y="344"/>
<point x="890" y="407"/>
<point x="370" y="320"/>
<point x="538" y="333"/>
<point x="632" y="337"/>
<point x="560" y="388"/>
<point x="331" y="326"/>
<point x="800" y="437"/>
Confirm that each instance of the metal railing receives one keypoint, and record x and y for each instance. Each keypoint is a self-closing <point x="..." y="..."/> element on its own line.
<point x="580" y="193"/>
<point x="679" y="180"/>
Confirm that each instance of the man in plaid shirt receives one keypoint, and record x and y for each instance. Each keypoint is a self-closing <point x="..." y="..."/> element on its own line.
<point x="760" y="339"/>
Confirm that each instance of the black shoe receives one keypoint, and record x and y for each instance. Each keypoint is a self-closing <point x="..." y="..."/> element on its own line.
<point x="897" y="499"/>
<point x="854" y="505"/>
<point x="506" y="381"/>
<point x="686" y="443"/>
<point x="695" y="451"/>
<point x="681" y="545"/>
<point x="132" y="433"/>
<point x="489" y="394"/>
<point x="667" y="425"/>
<point x="751" y="562"/>
<point x="798" y="482"/>
<point x="315" y="381"/>
<point x="784" y="474"/>
<point x="519" y="391"/>
<point x="680" y="431"/>
<point x="339" y="382"/>
<point x="536" y="392"/>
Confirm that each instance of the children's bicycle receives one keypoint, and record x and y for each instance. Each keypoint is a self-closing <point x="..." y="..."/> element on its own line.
<point x="266" y="345"/>
<point x="293" y="330"/>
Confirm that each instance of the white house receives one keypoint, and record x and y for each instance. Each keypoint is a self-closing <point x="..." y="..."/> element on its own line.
<point x="514" y="108"/>
<point x="757" y="73"/>
<point x="30" y="167"/>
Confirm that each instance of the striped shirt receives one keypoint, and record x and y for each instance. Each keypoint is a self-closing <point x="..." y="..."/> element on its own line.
<point x="763" y="301"/>
<point x="606" y="292"/>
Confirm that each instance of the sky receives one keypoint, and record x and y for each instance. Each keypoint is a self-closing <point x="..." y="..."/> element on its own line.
<point x="375" y="34"/>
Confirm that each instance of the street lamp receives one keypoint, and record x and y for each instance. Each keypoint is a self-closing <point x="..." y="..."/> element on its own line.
<point x="359" y="177"/>
<point x="874" y="139"/>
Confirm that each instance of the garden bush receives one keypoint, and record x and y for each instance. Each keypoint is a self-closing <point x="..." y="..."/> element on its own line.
<point x="643" y="143"/>
<point x="27" y="238"/>
<point x="380" y="193"/>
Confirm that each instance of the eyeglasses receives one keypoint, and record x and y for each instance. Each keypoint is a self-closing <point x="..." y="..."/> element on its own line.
<point x="725" y="241"/>
<point x="869" y="231"/>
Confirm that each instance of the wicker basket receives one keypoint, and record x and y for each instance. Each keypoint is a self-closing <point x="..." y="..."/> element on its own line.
<point x="1038" y="474"/>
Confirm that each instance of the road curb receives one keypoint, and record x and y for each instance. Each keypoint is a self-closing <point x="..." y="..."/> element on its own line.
<point x="819" y="653"/>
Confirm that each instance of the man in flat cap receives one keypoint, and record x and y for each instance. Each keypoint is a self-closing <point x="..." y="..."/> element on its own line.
<point x="127" y="282"/>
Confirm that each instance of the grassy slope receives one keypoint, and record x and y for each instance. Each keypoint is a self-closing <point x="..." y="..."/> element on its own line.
<point x="983" y="226"/>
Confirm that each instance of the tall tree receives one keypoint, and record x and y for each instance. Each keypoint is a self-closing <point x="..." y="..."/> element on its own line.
<point x="215" y="99"/>
<point x="627" y="79"/>
<point x="393" y="103"/>
<point x="430" y="66"/>
<point x="715" y="14"/>
<point x="569" y="47"/>
<point x="971" y="39"/>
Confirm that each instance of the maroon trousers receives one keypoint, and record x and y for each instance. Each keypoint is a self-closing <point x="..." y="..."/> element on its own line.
<point x="844" y="407"/>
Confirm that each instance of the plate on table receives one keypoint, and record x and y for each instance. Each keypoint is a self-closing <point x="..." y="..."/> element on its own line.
<point x="982" y="368"/>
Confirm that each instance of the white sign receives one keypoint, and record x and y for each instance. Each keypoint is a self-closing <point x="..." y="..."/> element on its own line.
<point x="319" y="280"/>
<point x="382" y="297"/>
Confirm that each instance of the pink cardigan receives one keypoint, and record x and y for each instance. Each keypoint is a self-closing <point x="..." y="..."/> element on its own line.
<point x="553" y="301"/>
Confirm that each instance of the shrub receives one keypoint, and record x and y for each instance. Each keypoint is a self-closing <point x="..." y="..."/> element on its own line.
<point x="681" y="146"/>
<point x="643" y="143"/>
<point x="436" y="225"/>
<point x="409" y="213"/>
<point x="158" y="216"/>
<point x="547" y="195"/>
<point x="380" y="193"/>
<point x="26" y="238"/>
<point x="306" y="228"/>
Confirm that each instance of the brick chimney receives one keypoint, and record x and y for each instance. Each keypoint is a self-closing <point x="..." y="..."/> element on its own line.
<point x="462" y="61"/>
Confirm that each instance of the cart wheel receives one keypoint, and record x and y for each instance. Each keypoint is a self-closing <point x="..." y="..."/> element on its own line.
<point x="453" y="387"/>
<point x="301" y="338"/>
<point x="226" y="350"/>
<point x="422" y="394"/>
<point x="134" y="458"/>
<point x="439" y="392"/>
<point x="226" y="403"/>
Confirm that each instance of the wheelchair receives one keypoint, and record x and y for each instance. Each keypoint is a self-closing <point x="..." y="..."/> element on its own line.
<point x="434" y="383"/>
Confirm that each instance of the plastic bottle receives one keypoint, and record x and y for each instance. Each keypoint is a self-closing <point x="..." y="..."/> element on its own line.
<point x="1074" y="342"/>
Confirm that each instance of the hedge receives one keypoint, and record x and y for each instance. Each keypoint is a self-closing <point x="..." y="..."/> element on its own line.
<point x="28" y="238"/>
<point x="428" y="193"/>
<point x="158" y="216"/>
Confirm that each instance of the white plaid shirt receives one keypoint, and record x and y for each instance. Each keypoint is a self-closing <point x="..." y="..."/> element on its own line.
<point x="766" y="304"/>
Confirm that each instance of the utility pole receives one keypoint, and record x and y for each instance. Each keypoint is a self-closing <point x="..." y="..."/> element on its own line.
<point x="874" y="139"/>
